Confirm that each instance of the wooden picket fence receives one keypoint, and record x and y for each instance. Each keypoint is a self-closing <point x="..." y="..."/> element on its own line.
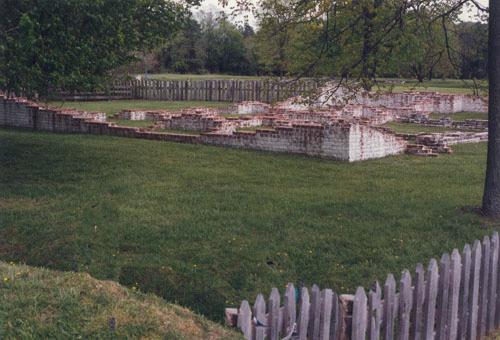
<point x="457" y="297"/>
<point x="268" y="90"/>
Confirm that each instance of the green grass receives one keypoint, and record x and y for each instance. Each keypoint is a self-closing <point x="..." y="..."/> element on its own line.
<point x="417" y="128"/>
<point x="254" y="128"/>
<point x="460" y="116"/>
<point x="43" y="304"/>
<point x="177" y="76"/>
<point x="206" y="226"/>
<point x="114" y="106"/>
<point x="178" y="131"/>
<point x="133" y="123"/>
<point x="436" y="85"/>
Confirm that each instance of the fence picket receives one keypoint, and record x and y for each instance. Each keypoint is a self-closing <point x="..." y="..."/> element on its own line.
<point x="314" y="316"/>
<point x="359" y="315"/>
<point x="374" y="312"/>
<point x="442" y="300"/>
<point x="274" y="311"/>
<point x="290" y="313"/>
<point x="418" y="303"/>
<point x="431" y="290"/>
<point x="484" y="286"/>
<point x="474" y="290"/>
<point x="304" y="314"/>
<point x="245" y="319"/>
<point x="389" y="303"/>
<point x="454" y="295"/>
<point x="492" y="306"/>
<point x="405" y="306"/>
<point x="463" y="309"/>
<point x="326" y="314"/>
<point x="336" y="318"/>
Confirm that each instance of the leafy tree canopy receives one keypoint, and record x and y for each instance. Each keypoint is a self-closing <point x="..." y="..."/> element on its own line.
<point x="76" y="44"/>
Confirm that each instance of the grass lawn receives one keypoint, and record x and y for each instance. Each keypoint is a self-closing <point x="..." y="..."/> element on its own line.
<point x="178" y="131"/>
<point x="208" y="226"/>
<point x="114" y="106"/>
<point x="43" y="304"/>
<point x="177" y="76"/>
<point x="436" y="85"/>
<point x="133" y="123"/>
<point x="417" y="128"/>
<point x="461" y="115"/>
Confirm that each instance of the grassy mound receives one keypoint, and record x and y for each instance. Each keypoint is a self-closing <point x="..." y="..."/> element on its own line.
<point x="40" y="303"/>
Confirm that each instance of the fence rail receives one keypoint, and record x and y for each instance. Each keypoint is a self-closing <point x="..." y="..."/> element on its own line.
<point x="457" y="297"/>
<point x="201" y="90"/>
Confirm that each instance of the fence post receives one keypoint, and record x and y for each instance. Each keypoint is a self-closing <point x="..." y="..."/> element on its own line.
<point x="274" y="310"/>
<point x="443" y="289"/>
<point x="405" y="305"/>
<point x="389" y="303"/>
<point x="374" y="312"/>
<point x="431" y="290"/>
<point x="359" y="315"/>
<point x="493" y="281"/>
<point x="474" y="290"/>
<point x="418" y="302"/>
<point x="455" y="276"/>
<point x="326" y="314"/>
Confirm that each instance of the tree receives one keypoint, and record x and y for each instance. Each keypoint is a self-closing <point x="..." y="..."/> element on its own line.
<point x="224" y="46"/>
<point x="184" y="53"/>
<point x="491" y="197"/>
<point x="473" y="40"/>
<point x="68" y="45"/>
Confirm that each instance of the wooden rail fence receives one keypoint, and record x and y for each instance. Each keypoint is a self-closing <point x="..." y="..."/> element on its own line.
<point x="457" y="297"/>
<point x="200" y="90"/>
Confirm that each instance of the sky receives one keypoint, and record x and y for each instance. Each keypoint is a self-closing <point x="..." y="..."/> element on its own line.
<point x="214" y="6"/>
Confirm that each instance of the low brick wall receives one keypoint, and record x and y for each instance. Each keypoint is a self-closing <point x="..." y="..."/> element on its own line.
<point x="350" y="141"/>
<point x="423" y="102"/>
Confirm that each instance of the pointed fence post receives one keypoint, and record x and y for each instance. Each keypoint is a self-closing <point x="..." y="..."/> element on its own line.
<point x="474" y="290"/>
<point x="336" y="319"/>
<point x="290" y="313"/>
<point x="274" y="311"/>
<point x="389" y="303"/>
<point x="359" y="315"/>
<point x="374" y="312"/>
<point x="259" y="312"/>
<point x="454" y="294"/>
<point x="304" y="314"/>
<point x="418" y="303"/>
<point x="326" y="314"/>
<point x="431" y="290"/>
<point x="245" y="319"/>
<point x="405" y="306"/>
<point x="464" y="309"/>
<point x="492" y="306"/>
<point x="443" y="299"/>
<point x="484" y="287"/>
<point x="314" y="315"/>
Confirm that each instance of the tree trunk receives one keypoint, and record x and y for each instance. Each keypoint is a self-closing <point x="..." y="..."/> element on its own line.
<point x="491" y="198"/>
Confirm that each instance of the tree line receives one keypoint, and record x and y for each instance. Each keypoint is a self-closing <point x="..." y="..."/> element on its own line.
<point x="422" y="50"/>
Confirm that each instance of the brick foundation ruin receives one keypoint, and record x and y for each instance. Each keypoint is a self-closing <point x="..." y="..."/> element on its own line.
<point x="349" y="132"/>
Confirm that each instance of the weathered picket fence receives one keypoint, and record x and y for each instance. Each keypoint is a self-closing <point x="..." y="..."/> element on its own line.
<point x="200" y="90"/>
<point x="457" y="297"/>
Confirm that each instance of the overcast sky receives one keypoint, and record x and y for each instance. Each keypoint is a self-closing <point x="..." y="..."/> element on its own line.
<point x="214" y="6"/>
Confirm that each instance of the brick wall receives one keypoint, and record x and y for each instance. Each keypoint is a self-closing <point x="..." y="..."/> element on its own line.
<point x="349" y="142"/>
<point x="336" y="140"/>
